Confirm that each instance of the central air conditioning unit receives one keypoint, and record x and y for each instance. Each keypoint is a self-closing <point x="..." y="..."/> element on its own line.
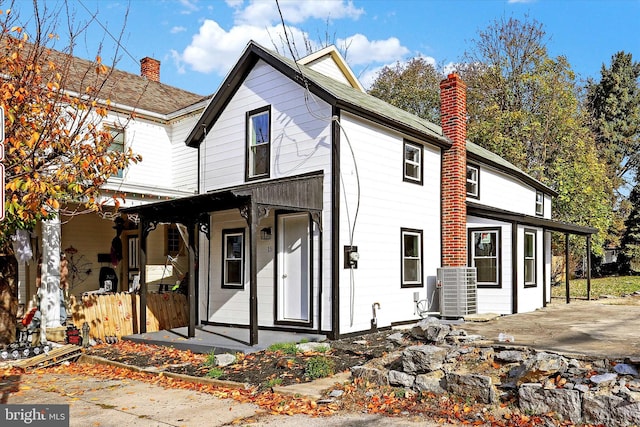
<point x="458" y="291"/>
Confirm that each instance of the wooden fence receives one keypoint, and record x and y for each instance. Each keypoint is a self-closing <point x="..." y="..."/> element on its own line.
<point x="117" y="315"/>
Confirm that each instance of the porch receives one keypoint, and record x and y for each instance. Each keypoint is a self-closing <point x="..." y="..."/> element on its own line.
<point x="220" y="339"/>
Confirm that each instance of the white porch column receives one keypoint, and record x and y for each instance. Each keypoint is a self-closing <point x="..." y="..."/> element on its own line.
<point x="49" y="291"/>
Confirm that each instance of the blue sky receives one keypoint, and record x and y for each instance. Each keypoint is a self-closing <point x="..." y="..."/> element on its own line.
<point x="198" y="41"/>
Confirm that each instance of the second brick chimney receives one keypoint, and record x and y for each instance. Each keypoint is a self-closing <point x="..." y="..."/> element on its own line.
<point x="453" y="112"/>
<point x="150" y="68"/>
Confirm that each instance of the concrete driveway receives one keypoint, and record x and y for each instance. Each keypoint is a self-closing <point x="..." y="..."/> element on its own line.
<point x="608" y="327"/>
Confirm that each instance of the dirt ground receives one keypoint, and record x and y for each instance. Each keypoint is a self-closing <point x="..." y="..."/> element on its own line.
<point x="607" y="327"/>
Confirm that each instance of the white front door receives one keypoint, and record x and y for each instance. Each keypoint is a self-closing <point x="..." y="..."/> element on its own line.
<point x="294" y="269"/>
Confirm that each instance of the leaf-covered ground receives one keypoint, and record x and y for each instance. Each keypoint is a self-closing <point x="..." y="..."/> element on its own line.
<point x="262" y="369"/>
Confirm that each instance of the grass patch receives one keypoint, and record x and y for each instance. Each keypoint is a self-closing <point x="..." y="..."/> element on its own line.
<point x="272" y="382"/>
<point x="215" y="373"/>
<point x="319" y="367"/>
<point x="615" y="286"/>
<point x="284" y="347"/>
<point x="211" y="359"/>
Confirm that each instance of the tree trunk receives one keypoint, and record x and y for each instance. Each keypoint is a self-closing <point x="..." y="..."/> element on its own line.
<point x="8" y="298"/>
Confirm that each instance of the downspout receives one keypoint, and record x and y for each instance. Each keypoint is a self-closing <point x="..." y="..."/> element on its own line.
<point x="335" y="228"/>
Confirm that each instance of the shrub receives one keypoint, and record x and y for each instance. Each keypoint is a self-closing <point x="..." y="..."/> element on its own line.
<point x="319" y="367"/>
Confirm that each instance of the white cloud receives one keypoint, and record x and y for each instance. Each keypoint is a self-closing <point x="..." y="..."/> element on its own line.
<point x="264" y="13"/>
<point x="177" y="29"/>
<point x="216" y="50"/>
<point x="521" y="1"/>
<point x="189" y="6"/>
<point x="360" y="50"/>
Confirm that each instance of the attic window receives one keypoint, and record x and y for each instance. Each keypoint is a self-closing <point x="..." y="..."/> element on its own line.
<point x="539" y="203"/>
<point x="258" y="156"/>
<point x="473" y="181"/>
<point x="117" y="144"/>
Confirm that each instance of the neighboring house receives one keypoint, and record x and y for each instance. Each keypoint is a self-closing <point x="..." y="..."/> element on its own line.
<point x="322" y="208"/>
<point x="163" y="117"/>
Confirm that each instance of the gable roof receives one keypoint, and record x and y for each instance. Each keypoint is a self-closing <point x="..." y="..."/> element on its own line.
<point x="328" y="89"/>
<point x="124" y="90"/>
<point x="128" y="89"/>
<point x="346" y="98"/>
<point x="338" y="60"/>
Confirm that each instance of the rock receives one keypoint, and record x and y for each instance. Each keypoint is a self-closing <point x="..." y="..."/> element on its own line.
<point x="433" y="382"/>
<point x="361" y="342"/>
<point x="224" y="359"/>
<point x="604" y="379"/>
<point x="422" y="358"/>
<point x="478" y="387"/>
<point x="624" y="369"/>
<point x="510" y="356"/>
<point x="634" y="360"/>
<point x="582" y="388"/>
<point x="313" y="346"/>
<point x="535" y="399"/>
<point x="431" y="330"/>
<point x="612" y="411"/>
<point x="396" y="338"/>
<point x="539" y="367"/>
<point x="401" y="378"/>
<point x="633" y="385"/>
<point x="336" y="393"/>
<point x="461" y="339"/>
<point x="375" y="376"/>
<point x="486" y="353"/>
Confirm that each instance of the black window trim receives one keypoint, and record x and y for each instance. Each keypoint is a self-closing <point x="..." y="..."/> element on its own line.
<point x="249" y="114"/>
<point x="498" y="230"/>
<point x="405" y="178"/>
<point x="225" y="233"/>
<point x="420" y="233"/>
<point x="477" y="168"/>
<point x="533" y="284"/>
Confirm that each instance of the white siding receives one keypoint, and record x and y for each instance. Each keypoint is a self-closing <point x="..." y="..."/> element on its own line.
<point x="529" y="298"/>
<point x="184" y="159"/>
<point x="300" y="143"/>
<point x="502" y="191"/>
<point x="386" y="204"/>
<point x="327" y="66"/>
<point x="497" y="300"/>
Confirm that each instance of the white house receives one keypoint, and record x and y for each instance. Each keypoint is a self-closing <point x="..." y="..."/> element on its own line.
<point x="163" y="117"/>
<point x="324" y="209"/>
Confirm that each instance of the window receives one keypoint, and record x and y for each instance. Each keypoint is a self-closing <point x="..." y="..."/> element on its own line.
<point x="117" y="144"/>
<point x="529" y="258"/>
<point x="233" y="258"/>
<point x="174" y="242"/>
<point x="473" y="181"/>
<point x="258" y="157"/>
<point x="412" y="163"/>
<point x="411" y="258"/>
<point x="485" y="256"/>
<point x="539" y="203"/>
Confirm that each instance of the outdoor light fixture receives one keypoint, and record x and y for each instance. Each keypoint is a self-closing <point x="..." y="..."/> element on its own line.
<point x="265" y="233"/>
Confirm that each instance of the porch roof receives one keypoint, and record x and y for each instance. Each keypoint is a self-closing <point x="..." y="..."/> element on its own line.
<point x="301" y="192"/>
<point x="477" y="209"/>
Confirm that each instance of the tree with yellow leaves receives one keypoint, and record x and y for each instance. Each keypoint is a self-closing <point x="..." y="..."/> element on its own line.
<point x="56" y="151"/>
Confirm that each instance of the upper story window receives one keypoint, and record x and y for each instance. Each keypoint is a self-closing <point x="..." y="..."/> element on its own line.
<point x="412" y="163"/>
<point x="473" y="181"/>
<point x="539" y="203"/>
<point x="411" y="258"/>
<point x="117" y="144"/>
<point x="484" y="255"/>
<point x="258" y="155"/>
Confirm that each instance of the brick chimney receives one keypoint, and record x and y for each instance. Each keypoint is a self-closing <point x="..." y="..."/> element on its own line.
<point x="453" y="112"/>
<point x="150" y="68"/>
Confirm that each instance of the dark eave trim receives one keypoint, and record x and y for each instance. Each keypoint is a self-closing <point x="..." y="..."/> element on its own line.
<point x="478" y="210"/>
<point x="250" y="57"/>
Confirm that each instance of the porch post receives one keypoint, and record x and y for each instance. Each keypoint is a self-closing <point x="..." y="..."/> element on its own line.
<point x="193" y="272"/>
<point x="142" y="262"/>
<point x="588" y="267"/>
<point x="253" y="274"/>
<point x="566" y="264"/>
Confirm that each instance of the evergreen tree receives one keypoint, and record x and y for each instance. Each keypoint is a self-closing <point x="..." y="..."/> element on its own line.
<point x="629" y="258"/>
